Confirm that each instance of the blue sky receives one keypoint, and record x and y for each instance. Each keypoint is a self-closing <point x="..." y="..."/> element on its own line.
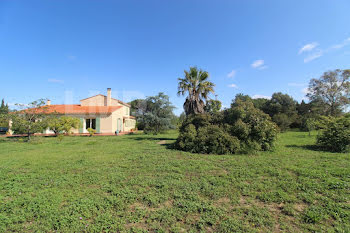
<point x="69" y="50"/>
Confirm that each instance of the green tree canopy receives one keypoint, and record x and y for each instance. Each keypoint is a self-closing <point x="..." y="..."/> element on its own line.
<point x="156" y="114"/>
<point x="213" y="106"/>
<point x="62" y="124"/>
<point x="31" y="119"/>
<point x="282" y="108"/>
<point x="4" y="108"/>
<point x="332" y="89"/>
<point x="196" y="86"/>
<point x="281" y="103"/>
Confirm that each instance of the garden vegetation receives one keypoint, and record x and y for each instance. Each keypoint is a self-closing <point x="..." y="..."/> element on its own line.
<point x="239" y="129"/>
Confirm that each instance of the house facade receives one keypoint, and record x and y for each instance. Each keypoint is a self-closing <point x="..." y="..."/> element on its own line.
<point x="102" y="113"/>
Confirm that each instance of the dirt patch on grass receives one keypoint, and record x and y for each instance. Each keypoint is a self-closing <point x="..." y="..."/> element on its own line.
<point x="243" y="202"/>
<point x="139" y="205"/>
<point x="136" y="205"/>
<point x="162" y="142"/>
<point x="139" y="225"/>
<point x="219" y="172"/>
<point x="224" y="201"/>
<point x="300" y="207"/>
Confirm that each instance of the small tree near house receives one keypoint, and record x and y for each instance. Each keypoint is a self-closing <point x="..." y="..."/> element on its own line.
<point x="62" y="124"/>
<point x="31" y="120"/>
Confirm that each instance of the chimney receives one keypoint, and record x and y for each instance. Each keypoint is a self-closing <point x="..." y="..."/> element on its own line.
<point x="109" y="96"/>
<point x="48" y="102"/>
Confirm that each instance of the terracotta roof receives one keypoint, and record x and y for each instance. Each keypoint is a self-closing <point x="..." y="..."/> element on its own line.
<point x="77" y="109"/>
<point x="121" y="102"/>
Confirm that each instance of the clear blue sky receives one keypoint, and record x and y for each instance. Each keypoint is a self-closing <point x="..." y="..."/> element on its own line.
<point x="69" y="50"/>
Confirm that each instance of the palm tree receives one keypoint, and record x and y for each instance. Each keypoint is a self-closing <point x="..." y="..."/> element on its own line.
<point x="198" y="87"/>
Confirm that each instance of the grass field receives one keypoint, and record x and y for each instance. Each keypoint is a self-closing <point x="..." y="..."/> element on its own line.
<point x="136" y="183"/>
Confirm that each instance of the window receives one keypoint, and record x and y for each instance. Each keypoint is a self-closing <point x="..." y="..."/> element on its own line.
<point x="126" y="111"/>
<point x="129" y="123"/>
<point x="90" y="123"/>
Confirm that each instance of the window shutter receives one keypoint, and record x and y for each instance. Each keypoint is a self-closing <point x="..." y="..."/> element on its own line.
<point x="81" y="128"/>
<point x="97" y="125"/>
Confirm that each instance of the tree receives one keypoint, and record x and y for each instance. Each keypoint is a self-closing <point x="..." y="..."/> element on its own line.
<point x="135" y="105"/>
<point x="62" y="124"/>
<point x="31" y="120"/>
<point x="138" y="109"/>
<point x="4" y="110"/>
<point x="282" y="108"/>
<point x="213" y="106"/>
<point x="332" y="89"/>
<point x="260" y="103"/>
<point x="156" y="114"/>
<point x="281" y="103"/>
<point x="240" y="97"/>
<point x="196" y="85"/>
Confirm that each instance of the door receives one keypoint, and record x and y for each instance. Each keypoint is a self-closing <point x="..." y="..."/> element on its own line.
<point x="90" y="123"/>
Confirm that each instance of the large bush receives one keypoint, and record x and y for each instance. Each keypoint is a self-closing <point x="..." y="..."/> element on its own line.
<point x="335" y="135"/>
<point x="207" y="139"/>
<point x="242" y="128"/>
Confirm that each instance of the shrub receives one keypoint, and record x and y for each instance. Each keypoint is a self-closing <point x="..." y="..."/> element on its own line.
<point x="213" y="139"/>
<point x="335" y="135"/>
<point x="208" y="139"/>
<point x="187" y="138"/>
<point x="91" y="131"/>
<point x="242" y="128"/>
<point x="253" y="127"/>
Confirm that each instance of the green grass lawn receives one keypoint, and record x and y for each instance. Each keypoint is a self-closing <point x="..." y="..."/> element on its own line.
<point x="136" y="183"/>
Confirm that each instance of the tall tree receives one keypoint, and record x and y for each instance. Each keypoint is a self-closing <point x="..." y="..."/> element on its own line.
<point x="281" y="103"/>
<point x="136" y="105"/>
<point x="196" y="85"/>
<point x="156" y="114"/>
<point x="282" y="108"/>
<point x="332" y="89"/>
<point x="4" y="108"/>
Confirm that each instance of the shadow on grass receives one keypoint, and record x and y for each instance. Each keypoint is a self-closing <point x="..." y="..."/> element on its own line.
<point x="169" y="146"/>
<point x="306" y="147"/>
<point x="13" y="139"/>
<point x="166" y="143"/>
<point x="152" y="138"/>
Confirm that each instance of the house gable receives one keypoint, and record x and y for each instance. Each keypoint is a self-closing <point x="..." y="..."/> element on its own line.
<point x="101" y="100"/>
<point x="97" y="100"/>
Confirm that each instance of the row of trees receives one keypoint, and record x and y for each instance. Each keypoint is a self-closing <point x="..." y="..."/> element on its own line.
<point x="34" y="118"/>
<point x="329" y="95"/>
<point x="250" y="124"/>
